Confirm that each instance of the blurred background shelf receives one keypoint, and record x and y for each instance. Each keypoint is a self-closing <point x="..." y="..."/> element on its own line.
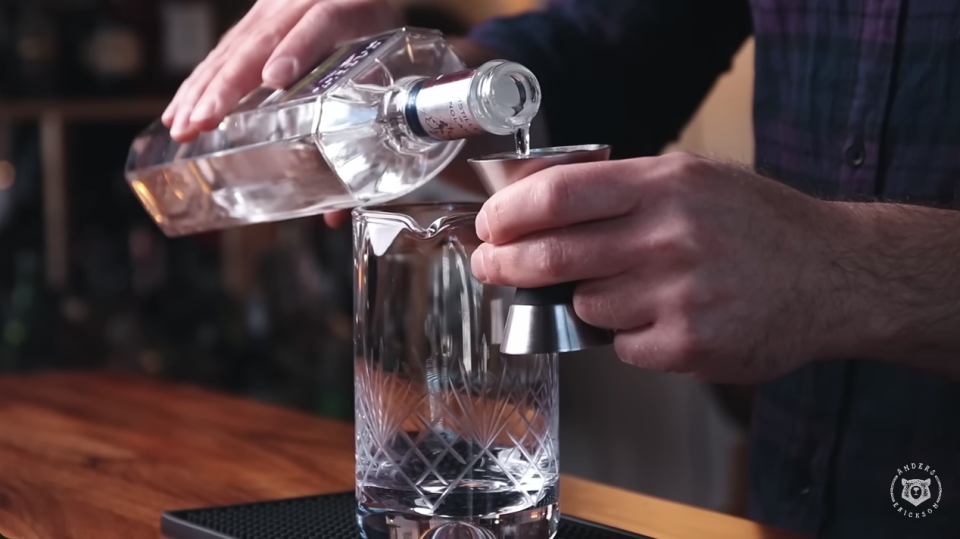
<point x="86" y="279"/>
<point x="125" y="108"/>
<point x="52" y="117"/>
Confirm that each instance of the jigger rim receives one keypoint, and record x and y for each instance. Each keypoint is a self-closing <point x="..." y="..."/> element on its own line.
<point x="396" y="206"/>
<point x="542" y="153"/>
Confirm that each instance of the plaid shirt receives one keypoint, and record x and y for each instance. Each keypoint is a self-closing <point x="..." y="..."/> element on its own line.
<point x="853" y="100"/>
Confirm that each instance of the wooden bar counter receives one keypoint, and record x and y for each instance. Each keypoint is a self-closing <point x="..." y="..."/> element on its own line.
<point x="98" y="455"/>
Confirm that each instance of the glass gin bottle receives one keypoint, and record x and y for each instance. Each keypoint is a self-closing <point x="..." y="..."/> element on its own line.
<point x="380" y="117"/>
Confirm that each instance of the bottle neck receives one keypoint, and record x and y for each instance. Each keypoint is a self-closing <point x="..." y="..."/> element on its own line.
<point x="439" y="109"/>
<point x="498" y="97"/>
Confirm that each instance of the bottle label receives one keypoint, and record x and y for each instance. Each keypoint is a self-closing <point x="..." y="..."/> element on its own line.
<point x="332" y="70"/>
<point x="442" y="107"/>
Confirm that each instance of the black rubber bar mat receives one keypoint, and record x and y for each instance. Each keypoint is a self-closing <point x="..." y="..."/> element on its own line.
<point x="329" y="516"/>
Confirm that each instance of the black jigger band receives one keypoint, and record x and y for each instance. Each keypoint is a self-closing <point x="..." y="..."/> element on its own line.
<point x="557" y="294"/>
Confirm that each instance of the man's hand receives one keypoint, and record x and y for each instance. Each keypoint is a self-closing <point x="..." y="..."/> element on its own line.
<point x="274" y="44"/>
<point x="702" y="268"/>
<point x="277" y="42"/>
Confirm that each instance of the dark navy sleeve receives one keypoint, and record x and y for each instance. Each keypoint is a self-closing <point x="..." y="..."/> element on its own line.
<point x="629" y="73"/>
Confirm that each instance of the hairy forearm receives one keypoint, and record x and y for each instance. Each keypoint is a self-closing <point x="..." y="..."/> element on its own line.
<point x="901" y="265"/>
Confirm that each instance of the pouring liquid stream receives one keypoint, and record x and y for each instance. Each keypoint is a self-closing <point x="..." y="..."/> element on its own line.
<point x="522" y="138"/>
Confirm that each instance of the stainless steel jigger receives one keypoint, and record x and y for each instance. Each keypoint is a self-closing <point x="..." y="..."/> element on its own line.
<point x="542" y="320"/>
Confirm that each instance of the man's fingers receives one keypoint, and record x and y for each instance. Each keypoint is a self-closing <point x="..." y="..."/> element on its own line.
<point x="559" y="196"/>
<point x="197" y="81"/>
<point x="232" y="70"/>
<point x="236" y="78"/>
<point x="241" y="73"/>
<point x="188" y="95"/>
<point x="655" y="347"/>
<point x="193" y="88"/>
<point x="274" y="44"/>
<point x="586" y="251"/>
<point x="321" y="28"/>
<point x="307" y="42"/>
<point x="621" y="302"/>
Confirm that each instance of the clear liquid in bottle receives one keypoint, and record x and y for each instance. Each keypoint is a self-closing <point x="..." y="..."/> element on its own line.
<point x="381" y="117"/>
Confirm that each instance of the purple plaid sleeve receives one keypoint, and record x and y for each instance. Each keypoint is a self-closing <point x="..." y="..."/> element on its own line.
<point x="858" y="100"/>
<point x="854" y="99"/>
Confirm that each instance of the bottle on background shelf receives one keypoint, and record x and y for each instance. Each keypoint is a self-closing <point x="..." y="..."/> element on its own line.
<point x="37" y="49"/>
<point x="114" y="53"/>
<point x="24" y="338"/>
<point x="10" y="82"/>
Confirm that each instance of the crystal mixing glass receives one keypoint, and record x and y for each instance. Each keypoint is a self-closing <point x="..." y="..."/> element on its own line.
<point x="454" y="439"/>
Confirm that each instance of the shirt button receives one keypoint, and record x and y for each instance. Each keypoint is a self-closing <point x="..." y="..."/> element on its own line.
<point x="800" y="483"/>
<point x="856" y="154"/>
